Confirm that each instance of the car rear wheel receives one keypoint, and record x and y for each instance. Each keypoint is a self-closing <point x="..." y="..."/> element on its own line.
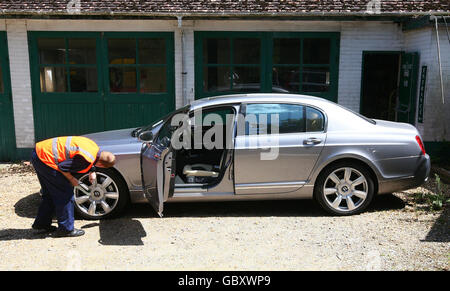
<point x="344" y="189"/>
<point x="107" y="196"/>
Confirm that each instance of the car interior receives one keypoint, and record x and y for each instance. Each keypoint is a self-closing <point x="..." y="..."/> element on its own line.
<point x="204" y="164"/>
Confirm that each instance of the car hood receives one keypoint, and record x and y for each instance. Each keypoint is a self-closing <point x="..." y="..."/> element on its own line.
<point x="113" y="137"/>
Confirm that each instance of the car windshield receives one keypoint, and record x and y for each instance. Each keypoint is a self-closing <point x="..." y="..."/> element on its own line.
<point x="138" y="130"/>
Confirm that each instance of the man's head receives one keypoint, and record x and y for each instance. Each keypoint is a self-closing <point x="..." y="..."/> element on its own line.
<point x="106" y="160"/>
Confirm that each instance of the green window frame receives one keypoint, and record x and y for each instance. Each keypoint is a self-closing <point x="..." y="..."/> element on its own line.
<point x="75" y="113"/>
<point x="139" y="65"/>
<point x="303" y="70"/>
<point x="67" y="64"/>
<point x="233" y="62"/>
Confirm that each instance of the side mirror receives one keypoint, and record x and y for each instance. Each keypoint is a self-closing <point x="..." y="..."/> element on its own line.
<point x="146" y="136"/>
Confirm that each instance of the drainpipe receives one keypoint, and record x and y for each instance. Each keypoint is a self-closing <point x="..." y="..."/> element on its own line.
<point x="439" y="57"/>
<point x="183" y="64"/>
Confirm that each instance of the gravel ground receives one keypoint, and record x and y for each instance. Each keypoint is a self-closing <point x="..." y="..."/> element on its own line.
<point x="396" y="233"/>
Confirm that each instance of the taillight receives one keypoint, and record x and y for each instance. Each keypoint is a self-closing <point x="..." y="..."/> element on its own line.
<point x="419" y="141"/>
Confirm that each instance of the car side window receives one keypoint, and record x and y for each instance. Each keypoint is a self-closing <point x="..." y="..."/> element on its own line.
<point x="259" y="118"/>
<point x="315" y="120"/>
<point x="164" y="134"/>
<point x="216" y="116"/>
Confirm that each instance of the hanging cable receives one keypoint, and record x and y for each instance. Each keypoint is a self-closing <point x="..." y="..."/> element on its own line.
<point x="439" y="58"/>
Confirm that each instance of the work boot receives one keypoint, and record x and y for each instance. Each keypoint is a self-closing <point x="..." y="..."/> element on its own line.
<point x="73" y="233"/>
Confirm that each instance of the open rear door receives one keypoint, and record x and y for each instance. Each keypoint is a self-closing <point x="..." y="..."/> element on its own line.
<point x="158" y="169"/>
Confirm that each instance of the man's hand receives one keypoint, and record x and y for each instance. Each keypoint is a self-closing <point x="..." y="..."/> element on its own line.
<point x="92" y="177"/>
<point x="74" y="181"/>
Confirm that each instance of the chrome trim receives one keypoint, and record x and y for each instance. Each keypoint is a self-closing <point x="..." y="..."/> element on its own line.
<point x="190" y="190"/>
<point x="269" y="185"/>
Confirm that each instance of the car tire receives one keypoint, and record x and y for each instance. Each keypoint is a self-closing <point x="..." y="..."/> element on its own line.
<point x="107" y="199"/>
<point x="344" y="188"/>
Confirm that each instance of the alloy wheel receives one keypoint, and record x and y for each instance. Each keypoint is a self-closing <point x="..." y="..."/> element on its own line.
<point x="102" y="197"/>
<point x="345" y="189"/>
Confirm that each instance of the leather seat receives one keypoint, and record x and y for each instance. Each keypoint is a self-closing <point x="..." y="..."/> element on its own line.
<point x="204" y="170"/>
<point x="200" y="170"/>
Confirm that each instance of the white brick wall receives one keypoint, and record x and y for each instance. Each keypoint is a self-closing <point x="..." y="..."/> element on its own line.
<point x="357" y="37"/>
<point x="436" y="126"/>
<point x="20" y="82"/>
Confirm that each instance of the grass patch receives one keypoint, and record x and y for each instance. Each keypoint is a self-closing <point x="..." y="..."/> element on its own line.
<point x="435" y="197"/>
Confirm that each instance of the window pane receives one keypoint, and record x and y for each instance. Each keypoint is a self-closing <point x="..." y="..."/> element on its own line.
<point x="314" y="120"/>
<point x="152" y="51"/>
<point x="216" y="51"/>
<point x="246" y="51"/>
<point x="286" y="51"/>
<point x="217" y="115"/>
<point x="246" y="79"/>
<point x="259" y="118"/>
<point x="153" y="80"/>
<point x="316" y="80"/>
<point x="216" y="79"/>
<point x="285" y="79"/>
<point x="53" y="79"/>
<point x="316" y="51"/>
<point x="51" y="50"/>
<point x="122" y="79"/>
<point x="83" y="80"/>
<point x="122" y="51"/>
<point x="82" y="51"/>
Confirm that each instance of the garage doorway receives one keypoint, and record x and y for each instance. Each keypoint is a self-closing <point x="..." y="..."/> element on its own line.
<point x="379" y="86"/>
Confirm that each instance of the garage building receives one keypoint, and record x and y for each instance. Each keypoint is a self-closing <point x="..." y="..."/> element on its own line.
<point x="76" y="67"/>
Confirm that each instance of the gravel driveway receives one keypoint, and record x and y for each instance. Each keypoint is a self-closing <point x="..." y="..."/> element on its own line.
<point x="268" y="235"/>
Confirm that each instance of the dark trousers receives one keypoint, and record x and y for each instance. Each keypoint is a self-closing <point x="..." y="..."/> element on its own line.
<point x="57" y="197"/>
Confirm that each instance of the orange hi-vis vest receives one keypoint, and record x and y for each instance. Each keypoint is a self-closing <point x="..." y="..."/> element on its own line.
<point x="55" y="150"/>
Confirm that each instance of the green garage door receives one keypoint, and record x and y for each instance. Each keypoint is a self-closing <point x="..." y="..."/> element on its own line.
<point x="280" y="62"/>
<point x="7" y="137"/>
<point x="88" y="82"/>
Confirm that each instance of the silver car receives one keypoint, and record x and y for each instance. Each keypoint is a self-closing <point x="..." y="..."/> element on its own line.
<point x="322" y="151"/>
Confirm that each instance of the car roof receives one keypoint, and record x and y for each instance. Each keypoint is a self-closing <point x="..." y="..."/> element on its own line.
<point x="257" y="97"/>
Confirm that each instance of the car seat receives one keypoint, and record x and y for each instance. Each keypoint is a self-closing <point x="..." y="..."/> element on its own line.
<point x="203" y="170"/>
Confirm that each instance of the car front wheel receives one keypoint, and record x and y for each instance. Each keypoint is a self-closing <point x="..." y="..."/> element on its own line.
<point x="344" y="189"/>
<point x="107" y="196"/>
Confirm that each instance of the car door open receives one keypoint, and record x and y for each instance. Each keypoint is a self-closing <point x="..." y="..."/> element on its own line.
<point x="158" y="167"/>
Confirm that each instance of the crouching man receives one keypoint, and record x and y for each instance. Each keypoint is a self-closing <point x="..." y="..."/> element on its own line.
<point x="55" y="160"/>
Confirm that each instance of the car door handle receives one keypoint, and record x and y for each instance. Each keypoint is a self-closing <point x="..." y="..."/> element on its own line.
<point x="312" y="141"/>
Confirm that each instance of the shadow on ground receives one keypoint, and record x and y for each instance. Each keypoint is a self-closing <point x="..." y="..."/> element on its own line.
<point x="127" y="230"/>
<point x="116" y="231"/>
<point x="121" y="232"/>
<point x="440" y="231"/>
<point x="20" y="234"/>
<point x="28" y="206"/>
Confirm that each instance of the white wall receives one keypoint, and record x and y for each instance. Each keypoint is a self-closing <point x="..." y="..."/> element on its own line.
<point x="357" y="37"/>
<point x="436" y="126"/>
<point x="20" y="82"/>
